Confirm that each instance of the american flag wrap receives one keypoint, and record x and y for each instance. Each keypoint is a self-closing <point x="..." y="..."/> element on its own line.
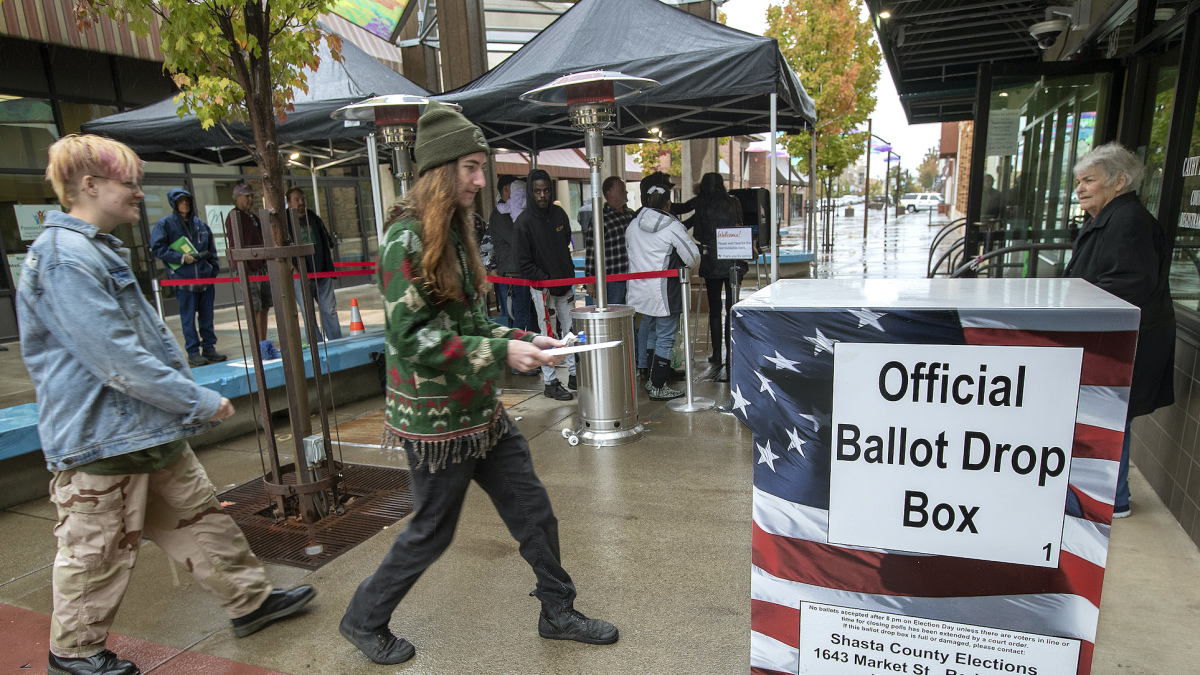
<point x="782" y="389"/>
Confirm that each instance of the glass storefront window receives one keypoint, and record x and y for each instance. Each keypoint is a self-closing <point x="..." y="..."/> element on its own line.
<point x="1037" y="130"/>
<point x="1185" y="264"/>
<point x="1157" y="120"/>
<point x="75" y="114"/>
<point x="27" y="131"/>
<point x="22" y="199"/>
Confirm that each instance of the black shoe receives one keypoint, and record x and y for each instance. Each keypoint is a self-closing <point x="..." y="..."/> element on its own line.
<point x="572" y="383"/>
<point x="278" y="604"/>
<point x="558" y="391"/>
<point x="571" y="624"/>
<point x="530" y="372"/>
<point x="676" y="375"/>
<point x="644" y="373"/>
<point x="716" y="359"/>
<point x="213" y="356"/>
<point x="195" y="360"/>
<point x="380" y="646"/>
<point x="104" y="663"/>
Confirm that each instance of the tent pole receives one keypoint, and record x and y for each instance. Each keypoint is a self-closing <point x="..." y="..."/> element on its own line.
<point x="376" y="192"/>
<point x="774" y="207"/>
<point x="312" y="171"/>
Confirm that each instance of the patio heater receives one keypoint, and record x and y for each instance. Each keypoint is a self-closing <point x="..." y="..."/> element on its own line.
<point x="607" y="393"/>
<point x="395" y="117"/>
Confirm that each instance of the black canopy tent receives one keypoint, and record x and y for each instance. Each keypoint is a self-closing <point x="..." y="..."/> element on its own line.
<point x="156" y="131"/>
<point x="715" y="80"/>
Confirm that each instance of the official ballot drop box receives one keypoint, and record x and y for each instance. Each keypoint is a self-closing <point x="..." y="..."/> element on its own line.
<point x="935" y="467"/>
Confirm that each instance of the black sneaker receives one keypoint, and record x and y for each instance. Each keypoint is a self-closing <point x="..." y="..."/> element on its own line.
<point x="213" y="356"/>
<point x="572" y="383"/>
<point x="571" y="624"/>
<point x="195" y="360"/>
<point x="558" y="392"/>
<point x="279" y="603"/>
<point x="528" y="373"/>
<point x="380" y="646"/>
<point x="104" y="663"/>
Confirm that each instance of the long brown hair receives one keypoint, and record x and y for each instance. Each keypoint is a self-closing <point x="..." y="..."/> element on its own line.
<point x="434" y="203"/>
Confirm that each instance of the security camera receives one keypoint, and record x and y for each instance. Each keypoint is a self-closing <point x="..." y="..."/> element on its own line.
<point x="1046" y="32"/>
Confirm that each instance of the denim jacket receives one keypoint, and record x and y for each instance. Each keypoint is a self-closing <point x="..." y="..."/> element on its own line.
<point x="110" y="378"/>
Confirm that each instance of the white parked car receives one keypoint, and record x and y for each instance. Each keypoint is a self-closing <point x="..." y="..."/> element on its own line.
<point x="924" y="201"/>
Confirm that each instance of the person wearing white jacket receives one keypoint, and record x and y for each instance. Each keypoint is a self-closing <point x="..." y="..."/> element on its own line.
<point x="657" y="241"/>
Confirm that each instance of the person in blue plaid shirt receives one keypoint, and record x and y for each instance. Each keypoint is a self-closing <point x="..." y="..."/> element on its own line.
<point x="616" y="256"/>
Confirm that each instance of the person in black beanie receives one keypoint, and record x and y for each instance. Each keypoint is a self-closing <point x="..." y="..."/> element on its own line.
<point x="542" y="246"/>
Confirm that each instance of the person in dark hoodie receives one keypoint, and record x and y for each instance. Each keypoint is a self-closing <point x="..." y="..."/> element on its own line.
<point x="542" y="247"/>
<point x="195" y="302"/>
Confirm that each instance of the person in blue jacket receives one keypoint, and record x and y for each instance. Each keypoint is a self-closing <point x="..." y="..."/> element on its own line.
<point x="195" y="302"/>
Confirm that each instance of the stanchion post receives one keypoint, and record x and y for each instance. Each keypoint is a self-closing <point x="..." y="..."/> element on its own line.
<point x="689" y="403"/>
<point x="158" y="298"/>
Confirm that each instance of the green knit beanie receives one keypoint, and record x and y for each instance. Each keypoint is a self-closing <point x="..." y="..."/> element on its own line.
<point x="444" y="135"/>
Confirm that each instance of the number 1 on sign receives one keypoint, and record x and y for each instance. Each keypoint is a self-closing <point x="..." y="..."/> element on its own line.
<point x="1049" y="548"/>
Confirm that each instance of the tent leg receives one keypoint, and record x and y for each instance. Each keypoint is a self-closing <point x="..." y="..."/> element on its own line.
<point x="376" y="192"/>
<point x="774" y="207"/>
<point x="316" y="192"/>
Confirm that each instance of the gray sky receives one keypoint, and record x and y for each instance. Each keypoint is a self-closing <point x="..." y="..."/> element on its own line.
<point x="910" y="141"/>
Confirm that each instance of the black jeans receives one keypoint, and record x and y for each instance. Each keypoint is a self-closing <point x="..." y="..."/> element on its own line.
<point x="717" y="313"/>
<point x="506" y="475"/>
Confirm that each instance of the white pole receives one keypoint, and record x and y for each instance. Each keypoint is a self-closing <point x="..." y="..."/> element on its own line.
<point x="158" y="298"/>
<point x="690" y="403"/>
<point x="774" y="216"/>
<point x="376" y="192"/>
<point x="312" y="170"/>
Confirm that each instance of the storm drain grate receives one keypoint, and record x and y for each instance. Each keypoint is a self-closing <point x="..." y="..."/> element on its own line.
<point x="374" y="497"/>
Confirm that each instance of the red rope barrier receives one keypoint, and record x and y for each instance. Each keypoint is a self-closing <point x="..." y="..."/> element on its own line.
<point x="261" y="277"/>
<point x="661" y="274"/>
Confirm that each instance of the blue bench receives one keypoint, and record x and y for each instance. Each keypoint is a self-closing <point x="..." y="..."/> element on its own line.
<point x="18" y="425"/>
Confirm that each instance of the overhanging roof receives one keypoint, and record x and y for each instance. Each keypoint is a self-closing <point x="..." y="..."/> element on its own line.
<point x="934" y="47"/>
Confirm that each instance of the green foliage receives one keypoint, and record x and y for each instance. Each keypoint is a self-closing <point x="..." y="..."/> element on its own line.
<point x="649" y="156"/>
<point x="927" y="173"/>
<point x="214" y="50"/>
<point x="837" y="60"/>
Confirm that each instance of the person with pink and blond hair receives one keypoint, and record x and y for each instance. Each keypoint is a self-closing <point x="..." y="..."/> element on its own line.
<point x="116" y="403"/>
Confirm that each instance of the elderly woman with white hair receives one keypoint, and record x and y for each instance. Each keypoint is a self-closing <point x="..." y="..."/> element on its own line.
<point x="1123" y="250"/>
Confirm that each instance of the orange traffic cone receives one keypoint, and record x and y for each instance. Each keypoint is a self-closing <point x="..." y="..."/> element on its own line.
<point x="356" y="324"/>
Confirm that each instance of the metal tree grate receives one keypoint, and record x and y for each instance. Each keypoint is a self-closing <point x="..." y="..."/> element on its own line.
<point x="374" y="497"/>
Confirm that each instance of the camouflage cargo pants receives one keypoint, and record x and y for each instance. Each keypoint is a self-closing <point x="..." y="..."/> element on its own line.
<point x="101" y="520"/>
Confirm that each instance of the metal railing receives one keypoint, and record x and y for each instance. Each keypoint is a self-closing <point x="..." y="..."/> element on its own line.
<point x="991" y="259"/>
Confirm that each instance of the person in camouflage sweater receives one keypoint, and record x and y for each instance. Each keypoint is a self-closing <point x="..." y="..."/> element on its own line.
<point x="443" y="355"/>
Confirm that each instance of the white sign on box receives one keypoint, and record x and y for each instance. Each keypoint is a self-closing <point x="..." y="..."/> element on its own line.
<point x="735" y="243"/>
<point x="847" y="641"/>
<point x="956" y="450"/>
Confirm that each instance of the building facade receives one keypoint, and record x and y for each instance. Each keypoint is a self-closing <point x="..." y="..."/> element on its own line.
<point x="1123" y="70"/>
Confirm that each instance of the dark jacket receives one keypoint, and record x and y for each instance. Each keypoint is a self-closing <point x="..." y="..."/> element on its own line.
<point x="500" y="226"/>
<point x="542" y="246"/>
<point x="502" y="230"/>
<point x="313" y="231"/>
<point x="715" y="212"/>
<point x="171" y="227"/>
<point x="252" y="235"/>
<point x="1123" y="251"/>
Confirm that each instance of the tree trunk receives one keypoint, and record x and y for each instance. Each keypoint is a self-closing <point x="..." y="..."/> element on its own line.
<point x="267" y="155"/>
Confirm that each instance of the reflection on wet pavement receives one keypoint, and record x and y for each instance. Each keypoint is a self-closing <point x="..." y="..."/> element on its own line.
<point x="897" y="250"/>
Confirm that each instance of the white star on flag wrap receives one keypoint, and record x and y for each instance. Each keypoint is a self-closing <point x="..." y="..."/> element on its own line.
<point x="868" y="318"/>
